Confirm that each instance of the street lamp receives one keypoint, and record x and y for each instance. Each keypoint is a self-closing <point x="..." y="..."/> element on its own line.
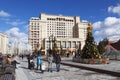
<point x="51" y="39"/>
<point x="49" y="42"/>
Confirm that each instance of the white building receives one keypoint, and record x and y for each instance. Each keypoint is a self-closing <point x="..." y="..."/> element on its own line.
<point x="3" y="43"/>
<point x="68" y="30"/>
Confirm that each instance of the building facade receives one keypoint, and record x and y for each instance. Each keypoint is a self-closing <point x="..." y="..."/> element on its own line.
<point x="3" y="43"/>
<point x="68" y="30"/>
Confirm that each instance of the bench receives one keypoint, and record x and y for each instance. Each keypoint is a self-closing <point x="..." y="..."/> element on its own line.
<point x="8" y="72"/>
<point x="7" y="77"/>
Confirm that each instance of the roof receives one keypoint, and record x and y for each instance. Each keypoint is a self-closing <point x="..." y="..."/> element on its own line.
<point x="116" y="45"/>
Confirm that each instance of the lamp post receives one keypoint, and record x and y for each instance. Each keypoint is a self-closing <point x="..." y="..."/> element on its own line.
<point x="49" y="43"/>
<point x="51" y="39"/>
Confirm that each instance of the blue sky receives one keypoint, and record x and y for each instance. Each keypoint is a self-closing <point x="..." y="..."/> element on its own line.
<point x="104" y="15"/>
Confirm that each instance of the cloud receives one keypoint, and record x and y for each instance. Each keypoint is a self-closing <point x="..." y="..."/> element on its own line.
<point x="97" y="25"/>
<point x="4" y="14"/>
<point x="26" y="27"/>
<point x="109" y="28"/>
<point x="84" y="21"/>
<point x="114" y="9"/>
<point x="15" y="23"/>
<point x="15" y="34"/>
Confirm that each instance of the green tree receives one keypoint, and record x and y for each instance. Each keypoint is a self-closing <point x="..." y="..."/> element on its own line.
<point x="101" y="47"/>
<point x="79" y="49"/>
<point x="90" y="49"/>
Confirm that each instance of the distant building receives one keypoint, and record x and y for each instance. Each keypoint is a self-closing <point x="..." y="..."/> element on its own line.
<point x="3" y="43"/>
<point x="68" y="30"/>
<point x="116" y="45"/>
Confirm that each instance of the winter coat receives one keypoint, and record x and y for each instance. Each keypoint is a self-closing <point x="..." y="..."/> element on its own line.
<point x="57" y="58"/>
<point x="39" y="60"/>
<point x="50" y="59"/>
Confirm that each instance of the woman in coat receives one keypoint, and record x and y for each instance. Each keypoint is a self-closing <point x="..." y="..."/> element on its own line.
<point x="50" y="60"/>
<point x="39" y="62"/>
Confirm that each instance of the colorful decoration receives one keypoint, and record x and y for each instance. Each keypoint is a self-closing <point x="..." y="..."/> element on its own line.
<point x="55" y="48"/>
<point x="90" y="53"/>
<point x="90" y="50"/>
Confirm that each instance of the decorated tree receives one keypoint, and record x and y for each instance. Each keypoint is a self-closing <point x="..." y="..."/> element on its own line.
<point x="35" y="51"/>
<point x="61" y="50"/>
<point x="55" y="48"/>
<point x="90" y="50"/>
<point x="41" y="48"/>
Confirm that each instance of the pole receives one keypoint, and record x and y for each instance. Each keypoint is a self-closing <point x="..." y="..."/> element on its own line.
<point x="49" y="42"/>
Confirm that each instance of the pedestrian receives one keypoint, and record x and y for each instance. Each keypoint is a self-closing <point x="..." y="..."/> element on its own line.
<point x="29" y="57"/>
<point x="73" y="53"/>
<point x="1" y="58"/>
<point x="39" y="62"/>
<point x="14" y="61"/>
<point x="9" y="59"/>
<point x="68" y="54"/>
<point x="22" y="56"/>
<point x="57" y="61"/>
<point x="50" y="60"/>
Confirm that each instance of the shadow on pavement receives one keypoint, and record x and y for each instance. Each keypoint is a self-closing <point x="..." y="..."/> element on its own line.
<point x="23" y="67"/>
<point x="64" y="69"/>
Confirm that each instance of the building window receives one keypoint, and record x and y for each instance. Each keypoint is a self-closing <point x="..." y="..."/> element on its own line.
<point x="69" y="44"/>
<point x="73" y="44"/>
<point x="64" y="44"/>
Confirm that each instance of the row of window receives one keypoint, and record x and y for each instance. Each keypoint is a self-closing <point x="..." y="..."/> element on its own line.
<point x="61" y="23"/>
<point x="34" y="28"/>
<point x="60" y="19"/>
<point x="65" y="44"/>
<point x="34" y="23"/>
<point x="51" y="22"/>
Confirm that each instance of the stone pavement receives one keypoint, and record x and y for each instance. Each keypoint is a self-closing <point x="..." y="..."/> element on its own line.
<point x="66" y="73"/>
<point x="113" y="68"/>
<point x="20" y="75"/>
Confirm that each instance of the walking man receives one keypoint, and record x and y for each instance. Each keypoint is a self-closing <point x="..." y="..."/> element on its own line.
<point x="57" y="61"/>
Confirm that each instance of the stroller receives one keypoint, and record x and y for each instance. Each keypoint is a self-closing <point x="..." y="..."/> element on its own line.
<point x="32" y="64"/>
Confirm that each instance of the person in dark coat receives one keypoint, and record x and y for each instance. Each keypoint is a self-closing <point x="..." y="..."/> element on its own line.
<point x="29" y="57"/>
<point x="57" y="61"/>
<point x="22" y="56"/>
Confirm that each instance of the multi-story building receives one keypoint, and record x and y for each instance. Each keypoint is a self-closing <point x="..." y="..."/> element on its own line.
<point x="3" y="43"/>
<point x="68" y="30"/>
